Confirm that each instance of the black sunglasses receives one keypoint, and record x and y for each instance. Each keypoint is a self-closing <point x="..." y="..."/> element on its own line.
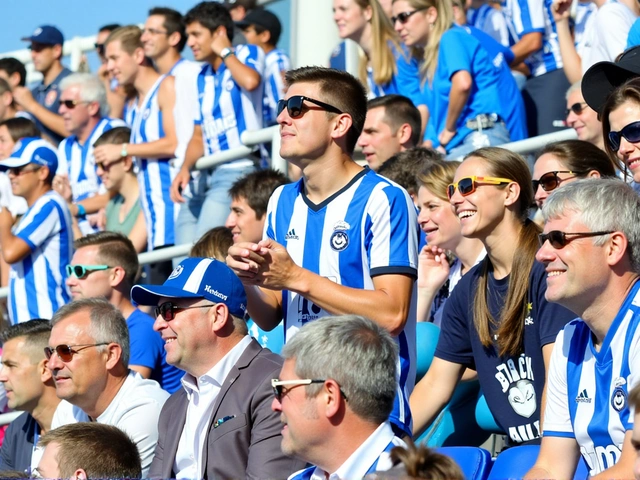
<point x="294" y="105"/>
<point x="631" y="133"/>
<point x="280" y="386"/>
<point x="168" y="310"/>
<point x="576" y="108"/>
<point x="550" y="180"/>
<point x="99" y="48"/>
<point x="71" y="104"/>
<point x="403" y="17"/>
<point x="559" y="239"/>
<point x="66" y="352"/>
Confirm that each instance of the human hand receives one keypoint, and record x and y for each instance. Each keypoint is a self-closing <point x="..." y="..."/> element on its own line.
<point x="178" y="185"/>
<point x="107" y="153"/>
<point x="62" y="186"/>
<point x="220" y="40"/>
<point x="433" y="268"/>
<point x="561" y="10"/>
<point x="23" y="97"/>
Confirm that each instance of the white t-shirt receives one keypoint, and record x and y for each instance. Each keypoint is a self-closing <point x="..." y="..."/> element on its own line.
<point x="185" y="73"/>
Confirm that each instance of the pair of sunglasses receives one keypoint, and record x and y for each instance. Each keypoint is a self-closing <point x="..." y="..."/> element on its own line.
<point x="280" y="386"/>
<point x="550" y="180"/>
<point x="631" y="133"/>
<point x="81" y="271"/>
<point x="576" y="108"/>
<point x="168" y="310"/>
<point x="99" y="48"/>
<point x="559" y="239"/>
<point x="71" y="104"/>
<point x="466" y="186"/>
<point x="403" y="17"/>
<point x="294" y="105"/>
<point x="66" y="352"/>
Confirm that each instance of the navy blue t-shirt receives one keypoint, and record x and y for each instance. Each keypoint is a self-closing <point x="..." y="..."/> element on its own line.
<point x="512" y="385"/>
<point x="49" y="97"/>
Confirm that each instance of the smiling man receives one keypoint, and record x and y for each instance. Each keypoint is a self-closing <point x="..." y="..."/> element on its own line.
<point x="582" y="118"/>
<point x="591" y="250"/>
<point x="220" y="425"/>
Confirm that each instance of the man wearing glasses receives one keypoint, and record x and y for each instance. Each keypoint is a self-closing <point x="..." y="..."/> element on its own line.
<point x="105" y="265"/>
<point x="220" y="425"/>
<point x="582" y="118"/>
<point x="43" y="102"/>
<point x="591" y="250"/>
<point x="83" y="106"/>
<point x="334" y="395"/>
<point x="340" y="240"/>
<point x="40" y="246"/>
<point x="88" y="357"/>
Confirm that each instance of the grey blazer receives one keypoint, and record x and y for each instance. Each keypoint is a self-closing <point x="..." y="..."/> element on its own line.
<point x="243" y="438"/>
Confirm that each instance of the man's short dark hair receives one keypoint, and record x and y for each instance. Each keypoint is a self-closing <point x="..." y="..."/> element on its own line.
<point x="20" y="127"/>
<point x="404" y="167"/>
<point x="172" y="23"/>
<point x="210" y="15"/>
<point x="110" y="27"/>
<point x="256" y="188"/>
<point x="115" y="136"/>
<point x="12" y="65"/>
<point x="102" y="451"/>
<point x="36" y="333"/>
<point x="399" y="110"/>
<point x="340" y="89"/>
<point x="115" y="249"/>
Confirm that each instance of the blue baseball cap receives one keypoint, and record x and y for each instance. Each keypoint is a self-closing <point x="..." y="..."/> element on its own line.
<point x="197" y="278"/>
<point x="46" y="35"/>
<point x="31" y="150"/>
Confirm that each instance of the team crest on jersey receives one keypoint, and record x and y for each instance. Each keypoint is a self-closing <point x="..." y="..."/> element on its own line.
<point x="176" y="272"/>
<point x="340" y="238"/>
<point x="619" y="396"/>
<point x="229" y="85"/>
<point x="50" y="98"/>
<point x="146" y="113"/>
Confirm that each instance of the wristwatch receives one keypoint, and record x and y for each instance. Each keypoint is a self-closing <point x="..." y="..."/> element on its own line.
<point x="123" y="152"/>
<point x="226" y="52"/>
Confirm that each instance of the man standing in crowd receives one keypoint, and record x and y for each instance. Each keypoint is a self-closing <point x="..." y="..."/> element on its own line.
<point x="88" y="356"/>
<point x="392" y="126"/>
<point x="230" y="93"/>
<point x="105" y="265"/>
<point x="338" y="420"/>
<point x="30" y="389"/>
<point x="43" y="103"/>
<point x="591" y="250"/>
<point x="305" y="275"/>
<point x="41" y="245"/>
<point x="220" y="425"/>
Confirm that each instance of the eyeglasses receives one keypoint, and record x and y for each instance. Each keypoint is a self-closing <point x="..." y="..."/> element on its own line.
<point x="403" y="17"/>
<point x="99" y="48"/>
<point x="71" y="104"/>
<point x="168" y="310"/>
<point x="466" y="186"/>
<point x="576" y="108"/>
<point x="631" y="133"/>
<point x="81" y="271"/>
<point x="279" y="389"/>
<point x="294" y="105"/>
<point x="550" y="180"/>
<point x="107" y="166"/>
<point x="66" y="352"/>
<point x="154" y="31"/>
<point x="559" y="239"/>
<point x="17" y="171"/>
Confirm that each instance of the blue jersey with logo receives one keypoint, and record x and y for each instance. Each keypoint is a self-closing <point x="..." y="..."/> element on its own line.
<point x="368" y="228"/>
<point x="406" y="80"/>
<point x="512" y="385"/>
<point x="49" y="97"/>
<point x="588" y="389"/>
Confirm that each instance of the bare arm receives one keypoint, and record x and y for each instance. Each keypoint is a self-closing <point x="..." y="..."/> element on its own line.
<point x="49" y="119"/>
<point x="571" y="61"/>
<point x="624" y="467"/>
<point x="14" y="248"/>
<point x="529" y="43"/>
<point x="461" y="83"/>
<point x="138" y="234"/>
<point x="557" y="459"/>
<point x="245" y="76"/>
<point x="195" y="150"/>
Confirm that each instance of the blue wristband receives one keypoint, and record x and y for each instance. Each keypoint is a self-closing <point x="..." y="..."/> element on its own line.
<point x="81" y="211"/>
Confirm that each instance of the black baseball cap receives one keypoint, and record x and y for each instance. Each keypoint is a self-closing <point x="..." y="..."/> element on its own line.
<point x="604" y="77"/>
<point x="265" y="19"/>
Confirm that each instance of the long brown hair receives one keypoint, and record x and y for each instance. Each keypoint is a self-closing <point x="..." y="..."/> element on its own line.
<point x="510" y="326"/>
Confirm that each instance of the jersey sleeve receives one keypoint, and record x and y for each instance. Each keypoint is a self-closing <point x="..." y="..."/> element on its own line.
<point x="200" y="82"/>
<point x="252" y="57"/>
<point x="557" y="419"/>
<point x="39" y="225"/>
<point x="456" y="54"/>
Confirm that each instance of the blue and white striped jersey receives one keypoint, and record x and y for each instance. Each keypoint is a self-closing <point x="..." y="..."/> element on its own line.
<point x="527" y="16"/>
<point x="276" y="63"/>
<point x="76" y="161"/>
<point x="368" y="228"/>
<point x="227" y="109"/>
<point x="37" y="282"/>
<point x="154" y="174"/>
<point x="587" y="389"/>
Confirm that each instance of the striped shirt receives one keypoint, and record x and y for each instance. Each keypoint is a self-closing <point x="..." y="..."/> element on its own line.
<point x="588" y="389"/>
<point x="37" y="282"/>
<point x="154" y="174"/>
<point x="276" y="63"/>
<point x="366" y="229"/>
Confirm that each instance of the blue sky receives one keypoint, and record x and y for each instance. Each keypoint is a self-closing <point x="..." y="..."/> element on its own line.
<point x="84" y="17"/>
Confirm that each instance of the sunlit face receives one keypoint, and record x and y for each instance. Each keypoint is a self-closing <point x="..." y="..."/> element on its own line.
<point x="6" y="142"/>
<point x="243" y="222"/>
<point x="550" y="163"/>
<point x="100" y="39"/>
<point x="378" y="141"/>
<point x="48" y="466"/>
<point x="113" y="173"/>
<point x="25" y="183"/>
<point x="21" y="374"/>
<point x="585" y="123"/>
<point x="155" y="38"/>
<point x="44" y="56"/>
<point x="253" y="38"/>
<point x="97" y="283"/>
<point x="438" y="220"/>
<point x="415" y="31"/>
<point x="121" y="65"/>
<point x="77" y="117"/>
<point x="199" y="41"/>
<point x="350" y="18"/>
<point x="628" y="152"/>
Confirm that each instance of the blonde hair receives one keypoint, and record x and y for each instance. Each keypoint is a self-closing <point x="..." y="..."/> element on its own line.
<point x="129" y="37"/>
<point x="437" y="177"/>
<point x="383" y="62"/>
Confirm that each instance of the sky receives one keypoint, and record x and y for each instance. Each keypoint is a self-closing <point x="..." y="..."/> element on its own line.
<point x="84" y="17"/>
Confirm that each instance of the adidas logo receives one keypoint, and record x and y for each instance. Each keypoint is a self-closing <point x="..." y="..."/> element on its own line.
<point x="583" y="397"/>
<point x="291" y="235"/>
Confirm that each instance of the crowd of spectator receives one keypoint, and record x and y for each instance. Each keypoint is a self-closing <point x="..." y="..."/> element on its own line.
<point x="528" y="268"/>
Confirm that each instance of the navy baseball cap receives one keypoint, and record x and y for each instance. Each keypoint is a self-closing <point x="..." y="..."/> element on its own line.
<point x="31" y="150"/>
<point x="197" y="278"/>
<point x="46" y="35"/>
<point x="265" y="19"/>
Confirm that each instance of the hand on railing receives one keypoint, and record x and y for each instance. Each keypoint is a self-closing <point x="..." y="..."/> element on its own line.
<point x="179" y="184"/>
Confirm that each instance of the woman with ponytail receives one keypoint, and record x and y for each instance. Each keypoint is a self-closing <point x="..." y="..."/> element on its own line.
<point x="496" y="320"/>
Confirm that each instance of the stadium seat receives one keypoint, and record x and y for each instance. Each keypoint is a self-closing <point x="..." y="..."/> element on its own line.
<point x="474" y="462"/>
<point x="427" y="335"/>
<point x="514" y="462"/>
<point x="485" y="418"/>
